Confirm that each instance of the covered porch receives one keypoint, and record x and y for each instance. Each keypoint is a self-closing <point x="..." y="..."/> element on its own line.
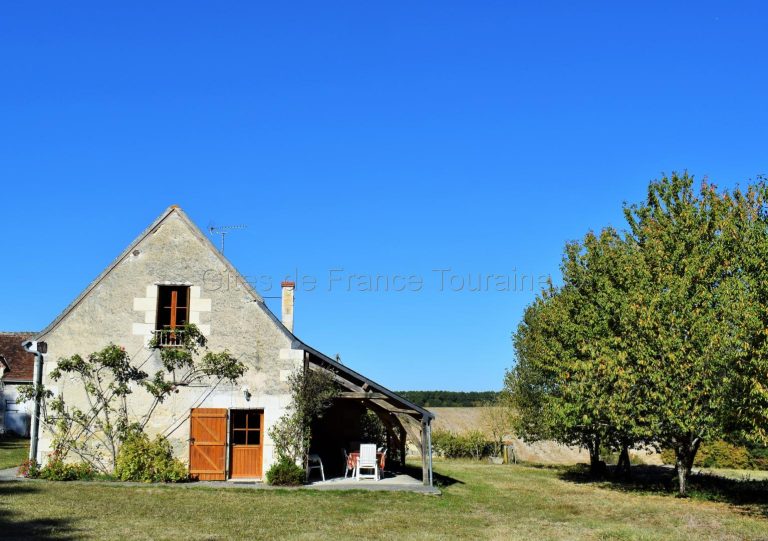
<point x="351" y="421"/>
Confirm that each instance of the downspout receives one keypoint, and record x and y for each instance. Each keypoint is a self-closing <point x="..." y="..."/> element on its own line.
<point x="37" y="378"/>
<point x="429" y="449"/>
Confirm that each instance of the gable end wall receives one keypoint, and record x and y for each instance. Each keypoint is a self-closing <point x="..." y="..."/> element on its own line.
<point x="121" y="308"/>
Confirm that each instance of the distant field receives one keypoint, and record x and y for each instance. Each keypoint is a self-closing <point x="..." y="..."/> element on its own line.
<point x="461" y="420"/>
<point x="479" y="501"/>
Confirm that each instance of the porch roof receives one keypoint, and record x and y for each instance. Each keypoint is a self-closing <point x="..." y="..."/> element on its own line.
<point x="412" y="419"/>
<point x="362" y="384"/>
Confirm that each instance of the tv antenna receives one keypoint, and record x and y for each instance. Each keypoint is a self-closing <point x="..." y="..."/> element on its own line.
<point x="223" y="231"/>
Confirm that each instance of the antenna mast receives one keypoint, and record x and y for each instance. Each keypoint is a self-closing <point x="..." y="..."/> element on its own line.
<point x="223" y="230"/>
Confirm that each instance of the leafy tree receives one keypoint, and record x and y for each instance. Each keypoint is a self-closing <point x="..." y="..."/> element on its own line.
<point x="497" y="421"/>
<point x="697" y="323"/>
<point x="312" y="392"/>
<point x="659" y="336"/>
<point x="567" y="384"/>
<point x="746" y="243"/>
<point x="372" y="429"/>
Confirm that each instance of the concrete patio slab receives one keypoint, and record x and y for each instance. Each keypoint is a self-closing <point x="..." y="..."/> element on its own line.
<point x="393" y="483"/>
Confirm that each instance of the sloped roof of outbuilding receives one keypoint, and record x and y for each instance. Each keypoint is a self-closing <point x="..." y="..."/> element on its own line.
<point x="20" y="363"/>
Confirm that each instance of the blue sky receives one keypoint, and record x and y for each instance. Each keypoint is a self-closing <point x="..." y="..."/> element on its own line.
<point x="393" y="139"/>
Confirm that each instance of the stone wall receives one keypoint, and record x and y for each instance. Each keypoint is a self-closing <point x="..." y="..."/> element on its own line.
<point x="121" y="310"/>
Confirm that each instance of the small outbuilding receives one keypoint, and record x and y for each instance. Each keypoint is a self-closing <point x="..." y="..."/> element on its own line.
<point x="16" y="369"/>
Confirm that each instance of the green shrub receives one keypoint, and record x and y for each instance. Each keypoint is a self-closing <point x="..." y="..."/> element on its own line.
<point x="668" y="456"/>
<point x="58" y="470"/>
<point x="145" y="460"/>
<point x="285" y="473"/>
<point x="719" y="454"/>
<point x="473" y="444"/>
<point x="758" y="457"/>
<point x="477" y="444"/>
<point x="446" y="444"/>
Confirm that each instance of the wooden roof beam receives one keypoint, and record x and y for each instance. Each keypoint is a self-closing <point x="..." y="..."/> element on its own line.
<point x="370" y="395"/>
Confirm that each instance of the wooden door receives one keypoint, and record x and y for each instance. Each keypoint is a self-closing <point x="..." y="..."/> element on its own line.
<point x="246" y="439"/>
<point x="208" y="444"/>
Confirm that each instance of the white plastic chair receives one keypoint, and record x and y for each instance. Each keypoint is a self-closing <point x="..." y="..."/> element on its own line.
<point x="314" y="462"/>
<point x="367" y="461"/>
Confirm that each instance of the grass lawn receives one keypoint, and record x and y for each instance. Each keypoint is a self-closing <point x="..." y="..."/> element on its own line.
<point x="481" y="502"/>
<point x="13" y="451"/>
<point x="758" y="475"/>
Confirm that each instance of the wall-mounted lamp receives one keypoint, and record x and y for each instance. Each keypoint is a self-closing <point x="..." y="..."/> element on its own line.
<point x="246" y="394"/>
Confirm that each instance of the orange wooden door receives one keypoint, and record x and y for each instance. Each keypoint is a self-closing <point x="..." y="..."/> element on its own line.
<point x="208" y="444"/>
<point x="247" y="427"/>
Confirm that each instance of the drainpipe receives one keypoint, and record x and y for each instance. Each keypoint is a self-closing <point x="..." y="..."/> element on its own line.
<point x="429" y="447"/>
<point x="37" y="378"/>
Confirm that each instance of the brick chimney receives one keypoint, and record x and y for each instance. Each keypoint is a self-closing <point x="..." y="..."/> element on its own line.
<point x="288" y="288"/>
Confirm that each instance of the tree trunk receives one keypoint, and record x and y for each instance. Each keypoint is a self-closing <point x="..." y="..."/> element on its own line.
<point x="685" y="452"/>
<point x="593" y="446"/>
<point x="682" y="478"/>
<point x="692" y="454"/>
<point x="623" y="467"/>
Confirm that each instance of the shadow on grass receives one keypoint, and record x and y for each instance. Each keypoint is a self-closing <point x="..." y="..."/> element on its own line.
<point x="752" y="495"/>
<point x="438" y="479"/>
<point x="14" y="527"/>
<point x="12" y="441"/>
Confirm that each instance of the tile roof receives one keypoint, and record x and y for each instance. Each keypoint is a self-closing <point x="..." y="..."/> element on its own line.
<point x="21" y="364"/>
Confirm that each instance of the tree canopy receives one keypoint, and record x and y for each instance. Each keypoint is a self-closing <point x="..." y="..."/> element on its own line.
<point x="657" y="334"/>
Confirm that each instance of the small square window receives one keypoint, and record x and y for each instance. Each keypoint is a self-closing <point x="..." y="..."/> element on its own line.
<point x="239" y="419"/>
<point x="246" y="427"/>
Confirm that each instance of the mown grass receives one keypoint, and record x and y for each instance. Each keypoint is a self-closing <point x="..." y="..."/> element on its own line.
<point x="13" y="450"/>
<point x="479" y="502"/>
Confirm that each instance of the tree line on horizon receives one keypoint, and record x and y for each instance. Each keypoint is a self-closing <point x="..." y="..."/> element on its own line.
<point x="450" y="399"/>
<point x="658" y="334"/>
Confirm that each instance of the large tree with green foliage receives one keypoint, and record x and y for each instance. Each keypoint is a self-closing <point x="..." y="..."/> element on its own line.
<point x="698" y="317"/>
<point x="659" y="335"/>
<point x="566" y="384"/>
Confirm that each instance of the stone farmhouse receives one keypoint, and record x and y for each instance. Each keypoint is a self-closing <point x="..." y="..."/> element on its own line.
<point x="171" y="274"/>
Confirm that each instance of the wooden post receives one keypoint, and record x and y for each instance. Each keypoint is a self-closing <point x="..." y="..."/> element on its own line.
<point x="424" y="452"/>
<point x="403" y="446"/>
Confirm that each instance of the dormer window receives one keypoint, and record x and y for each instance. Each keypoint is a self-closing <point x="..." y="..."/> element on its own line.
<point x="172" y="307"/>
